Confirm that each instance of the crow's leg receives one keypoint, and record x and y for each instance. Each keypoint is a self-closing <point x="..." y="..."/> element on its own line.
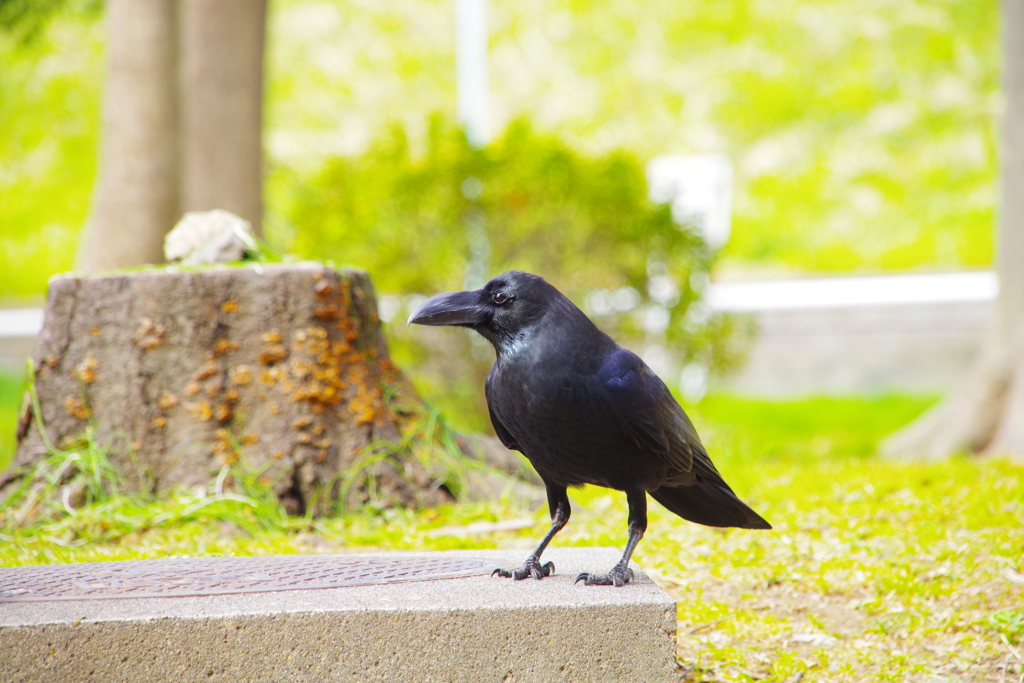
<point x="558" y="506"/>
<point x="621" y="574"/>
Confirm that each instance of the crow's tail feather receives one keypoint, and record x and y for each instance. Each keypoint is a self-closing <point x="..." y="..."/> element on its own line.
<point x="711" y="503"/>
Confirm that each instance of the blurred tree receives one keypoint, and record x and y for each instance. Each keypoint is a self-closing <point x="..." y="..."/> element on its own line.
<point x="182" y="117"/>
<point x="136" y="197"/>
<point x="221" y="105"/>
<point x="985" y="413"/>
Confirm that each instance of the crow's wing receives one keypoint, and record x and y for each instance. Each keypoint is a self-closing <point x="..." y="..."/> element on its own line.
<point x="648" y="413"/>
<point x="503" y="434"/>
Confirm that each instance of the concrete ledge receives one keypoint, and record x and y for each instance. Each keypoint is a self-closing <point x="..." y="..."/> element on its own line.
<point x="474" y="628"/>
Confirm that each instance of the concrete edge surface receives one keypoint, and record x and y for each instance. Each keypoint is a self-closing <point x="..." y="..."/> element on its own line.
<point x="474" y="628"/>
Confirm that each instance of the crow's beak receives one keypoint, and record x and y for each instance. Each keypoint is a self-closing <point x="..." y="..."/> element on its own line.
<point x="453" y="308"/>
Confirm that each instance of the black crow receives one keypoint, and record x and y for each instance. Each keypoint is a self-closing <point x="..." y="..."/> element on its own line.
<point x="585" y="411"/>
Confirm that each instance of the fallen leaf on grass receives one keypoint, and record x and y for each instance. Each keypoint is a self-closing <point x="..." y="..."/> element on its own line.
<point x="1011" y="575"/>
<point x="484" y="527"/>
<point x="816" y="639"/>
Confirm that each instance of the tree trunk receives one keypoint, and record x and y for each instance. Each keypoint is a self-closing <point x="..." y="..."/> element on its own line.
<point x="136" y="197"/>
<point x="182" y="120"/>
<point x="985" y="413"/>
<point x="221" y="105"/>
<point x="182" y="373"/>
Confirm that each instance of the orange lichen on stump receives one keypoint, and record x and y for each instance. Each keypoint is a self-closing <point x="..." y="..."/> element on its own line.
<point x="77" y="408"/>
<point x="222" y="346"/>
<point x="149" y="335"/>
<point x="86" y="370"/>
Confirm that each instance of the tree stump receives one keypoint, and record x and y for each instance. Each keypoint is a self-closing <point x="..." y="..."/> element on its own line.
<point x="184" y="372"/>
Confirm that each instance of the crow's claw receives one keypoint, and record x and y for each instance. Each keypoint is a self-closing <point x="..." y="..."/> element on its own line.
<point x="531" y="568"/>
<point x="618" y="576"/>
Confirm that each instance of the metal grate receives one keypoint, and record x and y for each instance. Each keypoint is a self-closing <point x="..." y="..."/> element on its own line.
<point x="221" y="575"/>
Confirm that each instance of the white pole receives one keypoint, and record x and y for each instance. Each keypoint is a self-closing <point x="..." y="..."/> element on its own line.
<point x="471" y="69"/>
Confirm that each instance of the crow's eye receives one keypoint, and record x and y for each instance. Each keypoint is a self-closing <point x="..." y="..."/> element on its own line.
<point x="499" y="298"/>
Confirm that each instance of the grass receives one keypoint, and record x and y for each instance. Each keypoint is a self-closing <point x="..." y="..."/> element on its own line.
<point x="10" y="399"/>
<point x="875" y="570"/>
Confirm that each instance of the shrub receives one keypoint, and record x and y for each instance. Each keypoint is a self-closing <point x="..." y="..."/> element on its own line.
<point x="453" y="216"/>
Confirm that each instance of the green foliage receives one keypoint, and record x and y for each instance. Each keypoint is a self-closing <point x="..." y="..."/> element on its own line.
<point x="1009" y="623"/>
<point x="49" y="135"/>
<point x="28" y="18"/>
<point x="10" y="401"/>
<point x="581" y="221"/>
<point x="862" y="131"/>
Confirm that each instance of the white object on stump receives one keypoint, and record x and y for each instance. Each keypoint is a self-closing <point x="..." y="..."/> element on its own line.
<point x="215" y="236"/>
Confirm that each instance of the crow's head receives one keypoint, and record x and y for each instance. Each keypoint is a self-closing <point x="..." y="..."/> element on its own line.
<point x="502" y="310"/>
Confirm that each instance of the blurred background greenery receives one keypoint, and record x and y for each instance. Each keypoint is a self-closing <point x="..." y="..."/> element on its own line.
<point x="862" y="135"/>
<point x="862" y="132"/>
